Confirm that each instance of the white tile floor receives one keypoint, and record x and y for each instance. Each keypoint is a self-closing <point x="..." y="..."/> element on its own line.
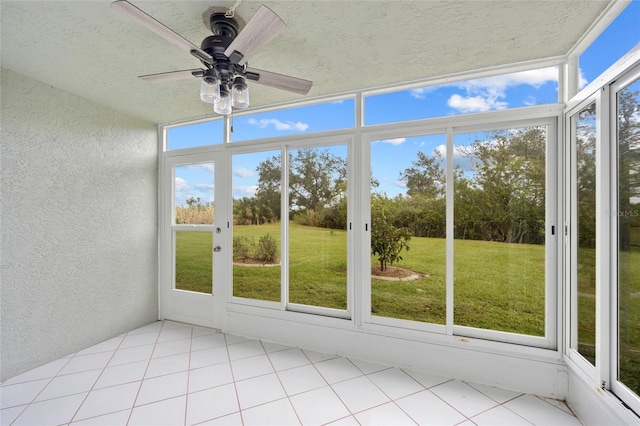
<point x="173" y="374"/>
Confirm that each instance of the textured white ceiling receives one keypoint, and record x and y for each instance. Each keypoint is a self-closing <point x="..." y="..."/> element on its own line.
<point x="94" y="51"/>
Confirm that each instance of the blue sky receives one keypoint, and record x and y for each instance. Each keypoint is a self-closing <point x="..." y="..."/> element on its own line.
<point x="391" y="156"/>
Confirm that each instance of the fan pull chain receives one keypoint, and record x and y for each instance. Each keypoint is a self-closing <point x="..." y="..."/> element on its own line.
<point x="232" y="10"/>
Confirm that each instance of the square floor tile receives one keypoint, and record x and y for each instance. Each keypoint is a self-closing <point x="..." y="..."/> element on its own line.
<point x="163" y="387"/>
<point x="140" y="339"/>
<point x="208" y="341"/>
<point x="258" y="390"/>
<point x="387" y="414"/>
<point x="211" y="404"/>
<point x="278" y="412"/>
<point x="167" y="412"/>
<point x="209" y="377"/>
<point x="499" y="395"/>
<point x="21" y="393"/>
<point x="274" y="347"/>
<point x="203" y="331"/>
<point x="425" y="379"/>
<point x="540" y="412"/>
<point x="81" y="363"/>
<point x="107" y="346"/>
<point x="154" y="326"/>
<point x="337" y="369"/>
<point x="172" y="347"/>
<point x="368" y="367"/>
<point x="301" y="379"/>
<point x="464" y="398"/>
<point x="108" y="400"/>
<point x="427" y="409"/>
<point x="51" y="412"/>
<point x="245" y="350"/>
<point x="499" y="416"/>
<point x="359" y="394"/>
<point x="395" y="383"/>
<point x="168" y="365"/>
<point x="69" y="384"/>
<point x="174" y="333"/>
<point x="134" y="354"/>
<point x="209" y="357"/>
<point x="254" y="366"/>
<point x="318" y="356"/>
<point x="319" y="406"/>
<point x="121" y="374"/>
<point x="288" y="358"/>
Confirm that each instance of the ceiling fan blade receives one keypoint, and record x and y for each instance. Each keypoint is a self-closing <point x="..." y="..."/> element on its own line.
<point x="260" y="30"/>
<point x="172" y="75"/>
<point x="279" y="81"/>
<point x="159" y="28"/>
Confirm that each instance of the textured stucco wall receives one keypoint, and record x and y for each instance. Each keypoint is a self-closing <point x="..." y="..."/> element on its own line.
<point x="78" y="219"/>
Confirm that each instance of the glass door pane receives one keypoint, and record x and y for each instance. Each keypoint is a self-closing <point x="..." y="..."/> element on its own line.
<point x="193" y="246"/>
<point x="628" y="107"/>
<point x="318" y="227"/>
<point x="584" y="129"/>
<point x="408" y="228"/>
<point x="256" y="225"/>
<point x="499" y="230"/>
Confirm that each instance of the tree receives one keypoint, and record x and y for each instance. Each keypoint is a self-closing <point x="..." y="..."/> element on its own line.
<point x="508" y="185"/>
<point x="268" y="191"/>
<point x="316" y="179"/>
<point x="387" y="240"/>
<point x="426" y="176"/>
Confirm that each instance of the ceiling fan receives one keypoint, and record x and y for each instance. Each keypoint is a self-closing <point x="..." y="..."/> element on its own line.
<point x="224" y="56"/>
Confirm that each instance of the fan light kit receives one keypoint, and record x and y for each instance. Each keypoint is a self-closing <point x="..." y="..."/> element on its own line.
<point x="224" y="56"/>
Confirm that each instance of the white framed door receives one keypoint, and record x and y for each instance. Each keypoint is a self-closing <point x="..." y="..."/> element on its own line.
<point x="194" y="256"/>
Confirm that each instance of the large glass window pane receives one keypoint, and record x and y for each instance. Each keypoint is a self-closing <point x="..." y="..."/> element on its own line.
<point x="499" y="230"/>
<point x="520" y="89"/>
<point x="291" y="121"/>
<point x="628" y="101"/>
<point x="408" y="228"/>
<point x="318" y="227"/>
<point x="193" y="135"/>
<point x="256" y="225"/>
<point x="585" y="129"/>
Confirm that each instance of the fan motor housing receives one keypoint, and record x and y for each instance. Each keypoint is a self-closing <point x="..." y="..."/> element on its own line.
<point x="222" y="25"/>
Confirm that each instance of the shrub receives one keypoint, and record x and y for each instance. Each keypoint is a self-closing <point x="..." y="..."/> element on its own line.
<point x="243" y="248"/>
<point x="267" y="249"/>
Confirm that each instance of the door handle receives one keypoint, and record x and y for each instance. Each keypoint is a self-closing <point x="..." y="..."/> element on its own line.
<point x="217" y="249"/>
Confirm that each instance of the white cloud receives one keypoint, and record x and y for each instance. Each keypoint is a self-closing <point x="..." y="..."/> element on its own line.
<point x="396" y="141"/>
<point x="205" y="187"/>
<point x="202" y="166"/>
<point x="279" y="125"/>
<point x="243" y="172"/>
<point x="181" y="185"/>
<point x="475" y="103"/>
<point x="400" y="184"/>
<point x="582" y="80"/>
<point x="421" y="92"/>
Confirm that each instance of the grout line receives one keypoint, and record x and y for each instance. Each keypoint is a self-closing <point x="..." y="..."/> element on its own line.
<point x="186" y="399"/>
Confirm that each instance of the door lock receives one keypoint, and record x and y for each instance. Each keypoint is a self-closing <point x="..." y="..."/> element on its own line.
<point x="217" y="249"/>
